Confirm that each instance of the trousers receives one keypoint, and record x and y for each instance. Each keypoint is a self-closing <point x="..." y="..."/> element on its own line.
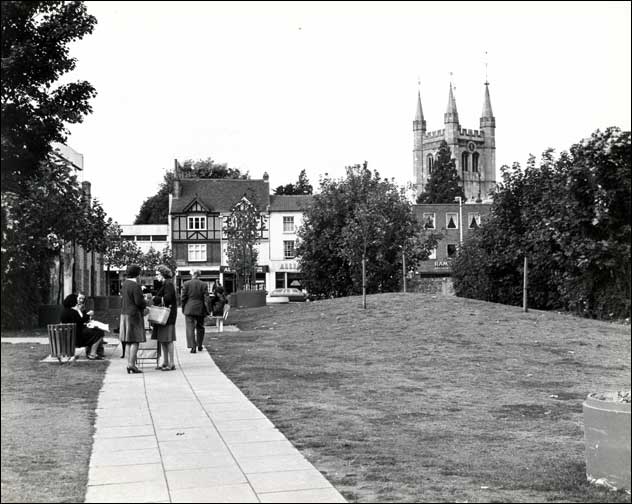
<point x="195" y="330"/>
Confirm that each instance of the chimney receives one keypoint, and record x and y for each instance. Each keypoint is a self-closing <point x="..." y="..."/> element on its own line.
<point x="266" y="177"/>
<point x="177" y="188"/>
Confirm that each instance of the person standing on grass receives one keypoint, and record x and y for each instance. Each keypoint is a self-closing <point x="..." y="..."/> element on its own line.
<point x="195" y="308"/>
<point x="166" y="334"/>
<point x="133" y="306"/>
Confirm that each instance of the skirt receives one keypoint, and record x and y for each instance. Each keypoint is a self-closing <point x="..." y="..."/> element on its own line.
<point x="88" y="337"/>
<point x="165" y="334"/>
<point x="132" y="329"/>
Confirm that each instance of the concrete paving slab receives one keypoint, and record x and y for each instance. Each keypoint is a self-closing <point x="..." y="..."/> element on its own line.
<point x="233" y="493"/>
<point x="285" y="481"/>
<point x="322" y="495"/>
<point x="237" y="425"/>
<point x="252" y="436"/>
<point x="205" y="477"/>
<point x="105" y="475"/>
<point x="145" y="491"/>
<point x="123" y="431"/>
<point x="243" y="451"/>
<point x="101" y="457"/>
<point x="198" y="460"/>
<point x="274" y="463"/>
<point x="128" y="443"/>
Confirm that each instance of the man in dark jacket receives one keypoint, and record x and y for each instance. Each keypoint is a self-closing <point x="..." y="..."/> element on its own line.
<point x="194" y="307"/>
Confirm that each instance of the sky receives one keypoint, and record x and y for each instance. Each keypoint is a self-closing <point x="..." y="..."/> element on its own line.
<point x="278" y="87"/>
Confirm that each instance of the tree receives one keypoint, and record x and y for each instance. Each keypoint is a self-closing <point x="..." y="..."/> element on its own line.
<point x="571" y="218"/>
<point x="155" y="209"/>
<point x="360" y="216"/>
<point x="52" y="217"/>
<point x="244" y="227"/>
<point x="444" y="183"/>
<point x="301" y="187"/>
<point x="119" y="251"/>
<point x="35" y="39"/>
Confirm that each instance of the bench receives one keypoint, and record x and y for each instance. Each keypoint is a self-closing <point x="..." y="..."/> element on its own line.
<point x="220" y="319"/>
<point x="62" y="338"/>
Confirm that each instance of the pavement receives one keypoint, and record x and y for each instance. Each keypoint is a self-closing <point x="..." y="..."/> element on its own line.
<point x="190" y="435"/>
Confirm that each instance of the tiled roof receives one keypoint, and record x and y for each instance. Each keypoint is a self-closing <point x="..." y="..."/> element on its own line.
<point x="283" y="203"/>
<point x="220" y="195"/>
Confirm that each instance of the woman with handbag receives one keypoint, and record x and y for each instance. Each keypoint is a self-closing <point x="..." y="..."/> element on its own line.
<point x="166" y="333"/>
<point x="132" y="327"/>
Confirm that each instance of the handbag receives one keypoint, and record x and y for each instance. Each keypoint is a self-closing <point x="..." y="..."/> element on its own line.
<point x="159" y="314"/>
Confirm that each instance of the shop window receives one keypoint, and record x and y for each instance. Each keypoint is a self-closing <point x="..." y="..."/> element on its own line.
<point x="451" y="250"/>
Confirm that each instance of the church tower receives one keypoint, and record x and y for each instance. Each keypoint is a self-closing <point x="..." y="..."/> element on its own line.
<point x="473" y="150"/>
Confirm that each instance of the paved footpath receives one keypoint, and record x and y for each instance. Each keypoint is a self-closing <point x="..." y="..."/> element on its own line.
<point x="190" y="435"/>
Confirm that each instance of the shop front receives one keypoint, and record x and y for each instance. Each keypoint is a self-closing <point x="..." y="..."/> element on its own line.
<point x="286" y="274"/>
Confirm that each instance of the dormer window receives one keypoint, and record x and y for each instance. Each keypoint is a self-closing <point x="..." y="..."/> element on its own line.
<point x="196" y="223"/>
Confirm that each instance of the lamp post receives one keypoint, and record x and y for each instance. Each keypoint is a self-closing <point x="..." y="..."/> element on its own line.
<point x="460" y="200"/>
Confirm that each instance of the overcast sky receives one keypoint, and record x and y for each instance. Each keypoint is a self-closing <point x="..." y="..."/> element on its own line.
<point x="280" y="87"/>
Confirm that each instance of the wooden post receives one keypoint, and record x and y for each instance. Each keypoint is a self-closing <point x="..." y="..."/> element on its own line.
<point x="524" y="286"/>
<point x="404" y="267"/>
<point x="364" y="281"/>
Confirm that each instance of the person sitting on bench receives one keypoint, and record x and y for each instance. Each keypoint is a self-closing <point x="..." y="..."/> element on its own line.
<point x="85" y="336"/>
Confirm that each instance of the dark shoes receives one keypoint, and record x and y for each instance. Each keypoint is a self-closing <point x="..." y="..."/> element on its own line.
<point x="96" y="357"/>
<point x="193" y="350"/>
<point x="167" y="368"/>
<point x="133" y="369"/>
<point x="200" y="349"/>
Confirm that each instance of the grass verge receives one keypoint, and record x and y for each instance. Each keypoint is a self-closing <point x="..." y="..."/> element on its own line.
<point x="425" y="398"/>
<point x="48" y="414"/>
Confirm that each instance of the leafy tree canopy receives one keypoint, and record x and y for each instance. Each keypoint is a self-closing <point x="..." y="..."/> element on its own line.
<point x="570" y="217"/>
<point x="244" y="227"/>
<point x="155" y="209"/>
<point x="361" y="214"/>
<point x="301" y="187"/>
<point x="35" y="39"/>
<point x="444" y="182"/>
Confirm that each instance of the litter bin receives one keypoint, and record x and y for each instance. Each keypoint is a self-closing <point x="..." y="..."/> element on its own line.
<point x="61" y="338"/>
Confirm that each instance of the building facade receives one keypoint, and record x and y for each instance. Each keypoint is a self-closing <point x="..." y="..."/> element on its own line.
<point x="454" y="222"/>
<point x="198" y="211"/>
<point x="146" y="237"/>
<point x="286" y="217"/>
<point x="80" y="270"/>
<point x="473" y="150"/>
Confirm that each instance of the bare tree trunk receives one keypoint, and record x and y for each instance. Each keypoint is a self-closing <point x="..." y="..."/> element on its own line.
<point x="60" y="280"/>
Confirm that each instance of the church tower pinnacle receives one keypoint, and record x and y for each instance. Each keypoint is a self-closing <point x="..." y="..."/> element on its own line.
<point x="419" y="130"/>
<point x="451" y="115"/>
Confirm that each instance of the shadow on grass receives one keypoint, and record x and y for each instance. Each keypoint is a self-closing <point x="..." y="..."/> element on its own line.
<point x="48" y="414"/>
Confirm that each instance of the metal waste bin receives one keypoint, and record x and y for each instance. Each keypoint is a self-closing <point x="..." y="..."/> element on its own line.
<point x="62" y="338"/>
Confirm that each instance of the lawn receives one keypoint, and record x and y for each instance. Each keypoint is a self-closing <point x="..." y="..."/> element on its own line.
<point x="48" y="414"/>
<point x="425" y="398"/>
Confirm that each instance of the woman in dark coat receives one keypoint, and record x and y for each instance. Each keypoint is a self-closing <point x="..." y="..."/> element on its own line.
<point x="166" y="334"/>
<point x="84" y="336"/>
<point x="133" y="304"/>
<point x="218" y="301"/>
